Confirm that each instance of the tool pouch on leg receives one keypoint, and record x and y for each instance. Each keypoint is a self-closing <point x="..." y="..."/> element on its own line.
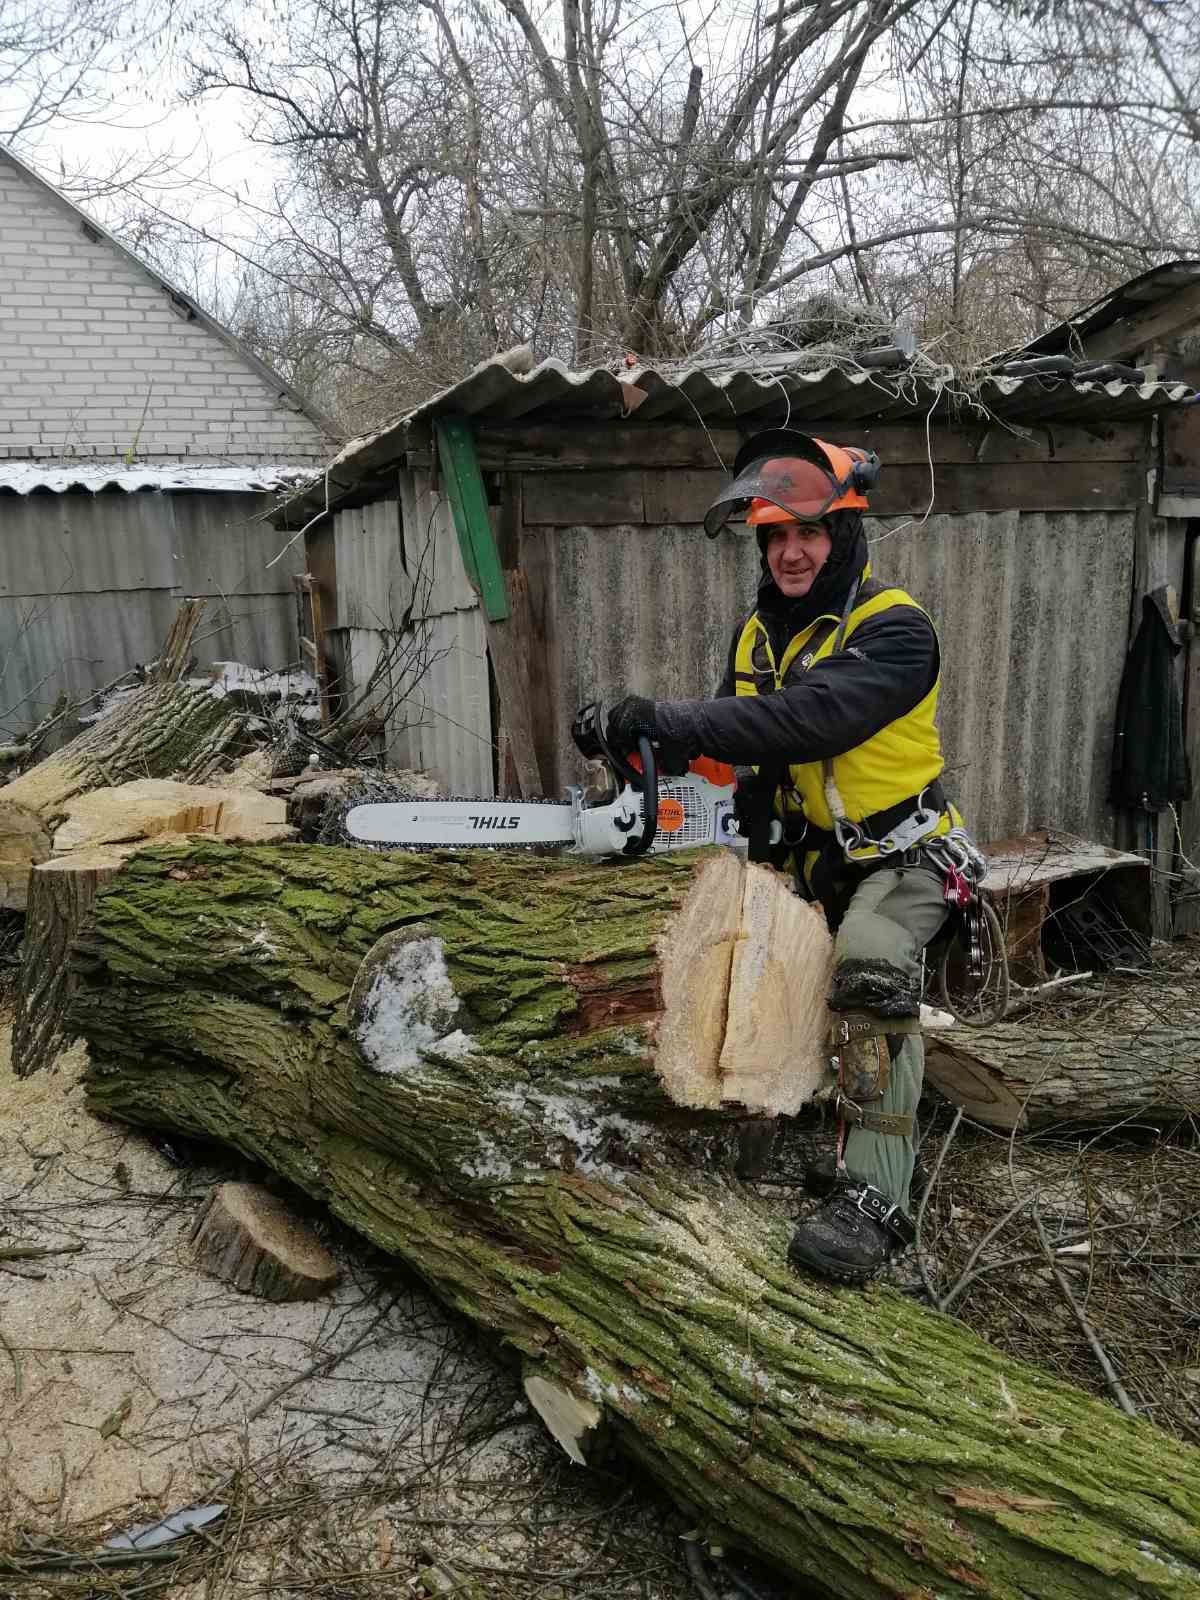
<point x="863" y="1050"/>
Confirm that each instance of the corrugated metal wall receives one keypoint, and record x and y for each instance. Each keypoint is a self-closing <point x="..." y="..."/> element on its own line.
<point x="1033" y="614"/>
<point x="1032" y="610"/>
<point x="390" y="555"/>
<point x="89" y="585"/>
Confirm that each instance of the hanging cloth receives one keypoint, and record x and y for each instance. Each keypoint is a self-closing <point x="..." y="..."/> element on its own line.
<point x="1149" y="764"/>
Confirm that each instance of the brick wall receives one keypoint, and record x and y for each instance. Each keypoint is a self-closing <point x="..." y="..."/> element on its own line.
<point x="96" y="361"/>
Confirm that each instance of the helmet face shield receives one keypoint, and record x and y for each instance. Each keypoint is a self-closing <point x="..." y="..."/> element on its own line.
<point x="801" y="476"/>
<point x="800" y="489"/>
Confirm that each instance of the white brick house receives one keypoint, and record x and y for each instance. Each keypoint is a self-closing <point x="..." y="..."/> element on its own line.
<point x="140" y="445"/>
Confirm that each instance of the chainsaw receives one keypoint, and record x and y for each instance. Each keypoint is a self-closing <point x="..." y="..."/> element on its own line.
<point x="628" y="807"/>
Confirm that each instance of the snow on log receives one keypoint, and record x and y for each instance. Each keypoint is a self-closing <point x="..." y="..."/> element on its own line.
<point x="512" y="1135"/>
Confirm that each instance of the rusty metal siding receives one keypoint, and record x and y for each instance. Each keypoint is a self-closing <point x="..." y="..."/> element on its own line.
<point x="1032" y="612"/>
<point x="89" y="585"/>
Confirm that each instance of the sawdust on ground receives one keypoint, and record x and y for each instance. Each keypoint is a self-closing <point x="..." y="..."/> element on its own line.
<point x="129" y="1381"/>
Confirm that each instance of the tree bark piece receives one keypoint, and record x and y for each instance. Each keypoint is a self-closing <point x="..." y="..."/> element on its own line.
<point x="61" y="893"/>
<point x="542" y="1182"/>
<point x="245" y="1236"/>
<point x="1139" y="1057"/>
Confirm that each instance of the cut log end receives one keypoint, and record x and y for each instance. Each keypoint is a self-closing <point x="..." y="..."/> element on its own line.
<point x="248" y="1238"/>
<point x="981" y="1092"/>
<point x="745" y="971"/>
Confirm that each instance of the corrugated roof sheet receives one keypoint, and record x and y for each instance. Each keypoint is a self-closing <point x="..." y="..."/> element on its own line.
<point x="30" y="477"/>
<point x="763" y="393"/>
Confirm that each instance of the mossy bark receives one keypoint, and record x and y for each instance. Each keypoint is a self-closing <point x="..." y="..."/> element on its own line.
<point x="851" y="1438"/>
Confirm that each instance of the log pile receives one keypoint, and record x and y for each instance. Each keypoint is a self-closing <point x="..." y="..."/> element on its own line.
<point x="161" y="727"/>
<point x="508" y="1072"/>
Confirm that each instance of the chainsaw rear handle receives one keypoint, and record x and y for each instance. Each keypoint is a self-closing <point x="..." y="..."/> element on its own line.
<point x="587" y="730"/>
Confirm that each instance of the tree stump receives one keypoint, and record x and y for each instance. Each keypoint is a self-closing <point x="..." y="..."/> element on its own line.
<point x="509" y="1128"/>
<point x="245" y="1236"/>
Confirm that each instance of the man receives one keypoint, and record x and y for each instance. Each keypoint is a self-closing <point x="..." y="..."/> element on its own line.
<point x="828" y="709"/>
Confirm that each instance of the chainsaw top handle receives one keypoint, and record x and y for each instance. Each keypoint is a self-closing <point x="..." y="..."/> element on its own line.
<point x="587" y="730"/>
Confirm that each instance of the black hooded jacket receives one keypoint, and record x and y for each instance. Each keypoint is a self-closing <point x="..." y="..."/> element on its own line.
<point x="888" y="667"/>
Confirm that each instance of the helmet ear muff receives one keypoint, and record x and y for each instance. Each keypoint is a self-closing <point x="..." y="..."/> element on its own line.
<point x="864" y="475"/>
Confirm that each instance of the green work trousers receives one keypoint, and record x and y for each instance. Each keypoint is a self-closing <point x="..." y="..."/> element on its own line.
<point x="891" y="917"/>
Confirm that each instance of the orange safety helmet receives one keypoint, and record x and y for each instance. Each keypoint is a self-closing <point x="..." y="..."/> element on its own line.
<point x="784" y="475"/>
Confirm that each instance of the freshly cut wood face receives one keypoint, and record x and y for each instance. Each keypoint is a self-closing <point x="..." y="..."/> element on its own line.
<point x="148" y="807"/>
<point x="696" y="957"/>
<point x="774" y="1056"/>
<point x="24" y="841"/>
<point x="247" y="1237"/>
<point x="745" y="973"/>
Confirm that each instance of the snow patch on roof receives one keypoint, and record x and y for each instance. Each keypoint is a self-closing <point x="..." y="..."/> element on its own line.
<point x="248" y="477"/>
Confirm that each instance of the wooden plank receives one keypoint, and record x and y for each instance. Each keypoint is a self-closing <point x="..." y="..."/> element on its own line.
<point x="1186" y="917"/>
<point x="1064" y="486"/>
<point x="537" y="563"/>
<point x="468" y="502"/>
<point x="320" y="562"/>
<point x="582" y="499"/>
<point x="681" y="496"/>
<point x="1181" y="454"/>
<point x="598" y="446"/>
<point x="551" y="447"/>
<point x="508" y="647"/>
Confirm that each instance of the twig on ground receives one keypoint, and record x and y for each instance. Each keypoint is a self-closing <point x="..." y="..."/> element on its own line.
<point x="694" y="1557"/>
<point x="18" y="1378"/>
<point x="930" y="1292"/>
<point x="1089" y="1333"/>
<point x="320" y="1368"/>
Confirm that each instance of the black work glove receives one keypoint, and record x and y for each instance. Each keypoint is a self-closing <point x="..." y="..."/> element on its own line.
<point x="630" y="717"/>
<point x="658" y="720"/>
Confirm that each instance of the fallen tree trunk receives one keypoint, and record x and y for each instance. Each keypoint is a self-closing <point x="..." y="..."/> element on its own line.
<point x="505" y="1122"/>
<point x="1139" y="1057"/>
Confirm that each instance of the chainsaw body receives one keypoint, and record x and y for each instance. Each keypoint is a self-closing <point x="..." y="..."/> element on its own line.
<point x="627" y="807"/>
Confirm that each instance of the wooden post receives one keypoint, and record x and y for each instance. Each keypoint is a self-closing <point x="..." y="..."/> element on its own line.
<point x="505" y="603"/>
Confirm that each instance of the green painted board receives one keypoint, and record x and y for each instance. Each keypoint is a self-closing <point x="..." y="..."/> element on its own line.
<point x="468" y="502"/>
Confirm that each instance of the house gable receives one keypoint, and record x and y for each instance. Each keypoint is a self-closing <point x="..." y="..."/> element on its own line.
<point x="102" y="358"/>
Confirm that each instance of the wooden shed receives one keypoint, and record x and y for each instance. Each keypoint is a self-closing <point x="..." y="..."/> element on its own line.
<point x="1021" y="507"/>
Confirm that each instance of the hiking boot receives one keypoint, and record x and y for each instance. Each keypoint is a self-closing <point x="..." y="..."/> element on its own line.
<point x="851" y="1236"/>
